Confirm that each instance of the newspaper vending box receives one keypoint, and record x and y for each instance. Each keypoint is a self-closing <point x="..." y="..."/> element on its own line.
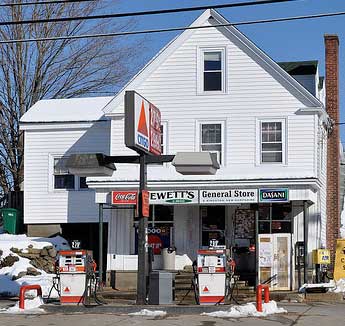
<point x="73" y="266"/>
<point x="211" y="268"/>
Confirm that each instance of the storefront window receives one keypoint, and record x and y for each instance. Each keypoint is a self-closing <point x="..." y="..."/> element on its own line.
<point x="160" y="228"/>
<point x="281" y="212"/>
<point x="213" y="224"/>
<point x="264" y="212"/>
<point x="275" y="218"/>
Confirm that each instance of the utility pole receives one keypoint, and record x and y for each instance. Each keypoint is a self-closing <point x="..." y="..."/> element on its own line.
<point x="142" y="236"/>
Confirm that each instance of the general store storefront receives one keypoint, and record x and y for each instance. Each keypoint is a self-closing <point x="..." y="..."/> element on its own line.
<point x="271" y="219"/>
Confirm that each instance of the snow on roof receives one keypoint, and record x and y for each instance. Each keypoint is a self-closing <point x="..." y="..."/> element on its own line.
<point x="61" y="110"/>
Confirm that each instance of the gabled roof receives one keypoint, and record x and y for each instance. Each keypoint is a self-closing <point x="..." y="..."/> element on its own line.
<point x="62" y="110"/>
<point x="239" y="40"/>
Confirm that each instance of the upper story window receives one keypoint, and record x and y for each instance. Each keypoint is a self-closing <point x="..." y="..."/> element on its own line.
<point x="211" y="139"/>
<point x="212" y="70"/>
<point x="163" y="138"/>
<point x="63" y="179"/>
<point x="272" y="144"/>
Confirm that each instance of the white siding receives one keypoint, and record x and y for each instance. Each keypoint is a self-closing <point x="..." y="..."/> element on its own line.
<point x="43" y="204"/>
<point x="252" y="94"/>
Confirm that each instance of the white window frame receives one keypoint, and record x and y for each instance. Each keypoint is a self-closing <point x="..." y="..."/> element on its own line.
<point x="165" y="137"/>
<point x="200" y="70"/>
<point x="259" y="122"/>
<point x="51" y="185"/>
<point x="198" y="137"/>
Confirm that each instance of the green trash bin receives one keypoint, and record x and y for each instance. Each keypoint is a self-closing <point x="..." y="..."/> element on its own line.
<point x="11" y="220"/>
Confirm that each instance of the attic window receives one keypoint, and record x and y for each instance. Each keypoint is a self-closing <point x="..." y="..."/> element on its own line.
<point x="212" y="70"/>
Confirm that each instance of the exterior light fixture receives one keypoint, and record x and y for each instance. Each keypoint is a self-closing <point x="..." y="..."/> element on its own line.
<point x="196" y="163"/>
<point x="90" y="165"/>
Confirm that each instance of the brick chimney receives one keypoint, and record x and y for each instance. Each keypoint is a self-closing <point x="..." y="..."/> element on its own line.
<point x="333" y="149"/>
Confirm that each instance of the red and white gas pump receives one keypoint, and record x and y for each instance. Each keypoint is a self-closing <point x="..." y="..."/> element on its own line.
<point x="73" y="268"/>
<point x="211" y="269"/>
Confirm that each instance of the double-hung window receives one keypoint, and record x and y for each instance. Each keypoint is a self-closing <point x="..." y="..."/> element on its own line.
<point x="212" y="70"/>
<point x="63" y="179"/>
<point x="211" y="139"/>
<point x="272" y="141"/>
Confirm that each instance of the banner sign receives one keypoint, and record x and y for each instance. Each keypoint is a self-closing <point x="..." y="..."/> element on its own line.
<point x="174" y="197"/>
<point x="339" y="266"/>
<point x="145" y="197"/>
<point x="124" y="197"/>
<point x="228" y="196"/>
<point x="278" y="195"/>
<point x="142" y="124"/>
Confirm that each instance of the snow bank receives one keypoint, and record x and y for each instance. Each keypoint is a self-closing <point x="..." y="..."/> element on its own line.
<point x="342" y="221"/>
<point x="10" y="287"/>
<point x="247" y="310"/>
<point x="31" y="306"/>
<point x="148" y="313"/>
<point x="339" y="286"/>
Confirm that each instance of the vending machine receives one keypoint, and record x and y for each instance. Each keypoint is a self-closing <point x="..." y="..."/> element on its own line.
<point x="211" y="269"/>
<point x="73" y="267"/>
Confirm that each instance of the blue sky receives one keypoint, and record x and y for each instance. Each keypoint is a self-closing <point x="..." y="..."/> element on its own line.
<point x="284" y="41"/>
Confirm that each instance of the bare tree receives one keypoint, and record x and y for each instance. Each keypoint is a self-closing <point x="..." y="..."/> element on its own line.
<point x="53" y="69"/>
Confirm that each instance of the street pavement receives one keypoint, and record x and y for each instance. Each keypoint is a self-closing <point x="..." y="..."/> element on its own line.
<point x="298" y="314"/>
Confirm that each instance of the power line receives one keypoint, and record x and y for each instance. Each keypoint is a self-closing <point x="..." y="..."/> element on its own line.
<point x="251" y="22"/>
<point x="144" y="13"/>
<point x="32" y="3"/>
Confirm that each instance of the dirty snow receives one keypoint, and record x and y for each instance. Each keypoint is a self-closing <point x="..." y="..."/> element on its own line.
<point x="247" y="310"/>
<point x="305" y="286"/>
<point x="9" y="287"/>
<point x="148" y="313"/>
<point x="342" y="221"/>
<point x="338" y="286"/>
<point x="31" y="306"/>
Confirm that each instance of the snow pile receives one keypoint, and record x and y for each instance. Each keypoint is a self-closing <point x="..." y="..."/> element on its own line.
<point x="330" y="286"/>
<point x="248" y="310"/>
<point x="342" y="222"/>
<point x="339" y="286"/>
<point x="148" y="313"/>
<point x="31" y="306"/>
<point x="9" y="286"/>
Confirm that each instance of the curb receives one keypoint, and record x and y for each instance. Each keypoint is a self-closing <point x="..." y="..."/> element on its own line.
<point x="171" y="309"/>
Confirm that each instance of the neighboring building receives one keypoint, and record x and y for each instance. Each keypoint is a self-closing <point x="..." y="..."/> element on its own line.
<point x="218" y="92"/>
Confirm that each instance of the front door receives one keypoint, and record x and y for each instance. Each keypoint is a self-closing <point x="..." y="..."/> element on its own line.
<point x="275" y="260"/>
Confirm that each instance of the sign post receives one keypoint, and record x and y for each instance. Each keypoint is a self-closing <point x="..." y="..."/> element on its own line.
<point x="142" y="134"/>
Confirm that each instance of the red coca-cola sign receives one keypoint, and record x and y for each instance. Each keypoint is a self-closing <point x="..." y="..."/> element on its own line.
<point x="124" y="197"/>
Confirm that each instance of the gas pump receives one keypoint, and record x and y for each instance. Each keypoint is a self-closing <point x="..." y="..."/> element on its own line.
<point x="211" y="273"/>
<point x="77" y="276"/>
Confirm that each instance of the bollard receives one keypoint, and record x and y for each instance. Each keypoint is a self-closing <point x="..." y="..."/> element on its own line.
<point x="259" y="296"/>
<point x="25" y="288"/>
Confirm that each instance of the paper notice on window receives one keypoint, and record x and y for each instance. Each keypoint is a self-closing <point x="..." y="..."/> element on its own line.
<point x="265" y="254"/>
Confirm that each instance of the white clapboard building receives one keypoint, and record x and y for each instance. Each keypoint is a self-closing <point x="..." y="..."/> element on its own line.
<point x="217" y="91"/>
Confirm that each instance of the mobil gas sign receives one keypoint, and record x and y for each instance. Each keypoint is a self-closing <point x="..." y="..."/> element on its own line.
<point x="142" y="124"/>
